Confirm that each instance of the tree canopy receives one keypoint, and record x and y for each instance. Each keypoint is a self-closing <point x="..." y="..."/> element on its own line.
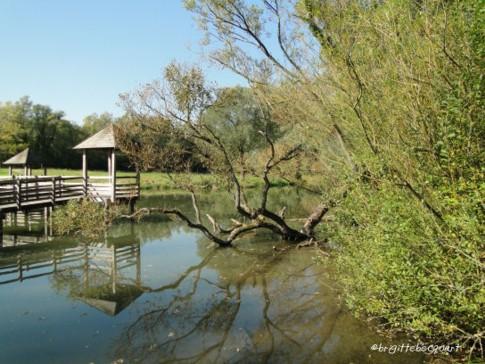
<point x="51" y="137"/>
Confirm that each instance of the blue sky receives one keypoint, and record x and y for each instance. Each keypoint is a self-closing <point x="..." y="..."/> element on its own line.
<point x="79" y="55"/>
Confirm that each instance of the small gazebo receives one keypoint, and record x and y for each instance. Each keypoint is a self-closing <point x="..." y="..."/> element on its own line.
<point x="105" y="140"/>
<point x="25" y="159"/>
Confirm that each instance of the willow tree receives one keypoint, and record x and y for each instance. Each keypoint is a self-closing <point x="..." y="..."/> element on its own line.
<point x="390" y="94"/>
<point x="184" y="103"/>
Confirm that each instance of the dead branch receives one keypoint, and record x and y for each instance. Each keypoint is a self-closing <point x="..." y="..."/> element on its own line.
<point x="181" y="216"/>
<point x="314" y="219"/>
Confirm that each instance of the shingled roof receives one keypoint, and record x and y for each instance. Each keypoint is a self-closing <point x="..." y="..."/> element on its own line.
<point x="104" y="139"/>
<point x="24" y="158"/>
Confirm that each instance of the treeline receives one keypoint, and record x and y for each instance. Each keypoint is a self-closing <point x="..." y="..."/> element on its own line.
<point x="24" y="124"/>
<point x="51" y="137"/>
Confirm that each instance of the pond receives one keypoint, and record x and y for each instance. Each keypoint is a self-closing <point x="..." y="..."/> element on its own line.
<point x="156" y="291"/>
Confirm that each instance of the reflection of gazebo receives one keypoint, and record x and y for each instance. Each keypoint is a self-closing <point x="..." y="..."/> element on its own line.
<point x="25" y="159"/>
<point x="110" y="276"/>
<point x="109" y="189"/>
<point x="104" y="275"/>
<point x="103" y="299"/>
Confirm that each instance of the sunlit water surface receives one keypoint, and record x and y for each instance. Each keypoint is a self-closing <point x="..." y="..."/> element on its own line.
<point x="156" y="292"/>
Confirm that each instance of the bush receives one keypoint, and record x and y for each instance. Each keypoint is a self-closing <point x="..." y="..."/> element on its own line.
<point x="85" y="218"/>
<point x="410" y="215"/>
<point x="401" y="266"/>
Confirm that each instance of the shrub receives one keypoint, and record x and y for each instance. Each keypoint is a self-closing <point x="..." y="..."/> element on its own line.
<point x="401" y="266"/>
<point x="85" y="218"/>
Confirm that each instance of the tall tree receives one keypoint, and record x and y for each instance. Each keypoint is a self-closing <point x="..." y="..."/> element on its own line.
<point x="51" y="137"/>
<point x="12" y="127"/>
<point x="96" y="122"/>
<point x="238" y="117"/>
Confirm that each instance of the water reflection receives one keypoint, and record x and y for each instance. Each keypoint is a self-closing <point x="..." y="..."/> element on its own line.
<point x="105" y="275"/>
<point x="159" y="292"/>
<point x="251" y="304"/>
<point x="25" y="229"/>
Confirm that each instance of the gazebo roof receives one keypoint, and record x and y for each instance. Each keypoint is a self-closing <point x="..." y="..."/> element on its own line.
<point x="24" y="158"/>
<point x="104" y="139"/>
<point x="110" y="303"/>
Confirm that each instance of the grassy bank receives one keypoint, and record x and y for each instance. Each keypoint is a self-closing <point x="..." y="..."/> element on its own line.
<point x="153" y="182"/>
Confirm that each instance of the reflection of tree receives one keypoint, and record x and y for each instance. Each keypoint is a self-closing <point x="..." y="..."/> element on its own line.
<point x="154" y="228"/>
<point x="218" y="314"/>
<point x="204" y="317"/>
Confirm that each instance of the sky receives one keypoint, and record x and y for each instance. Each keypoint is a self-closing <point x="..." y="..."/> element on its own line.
<point x="77" y="56"/>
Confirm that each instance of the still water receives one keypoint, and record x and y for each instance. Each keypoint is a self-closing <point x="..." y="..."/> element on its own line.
<point x="158" y="292"/>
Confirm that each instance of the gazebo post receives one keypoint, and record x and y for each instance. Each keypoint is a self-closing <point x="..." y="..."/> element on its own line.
<point x="113" y="176"/>
<point x="109" y="164"/>
<point x="85" y="172"/>
<point x="26" y="171"/>
<point x="10" y="171"/>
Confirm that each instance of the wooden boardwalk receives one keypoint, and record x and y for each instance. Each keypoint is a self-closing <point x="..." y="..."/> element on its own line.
<point x="29" y="193"/>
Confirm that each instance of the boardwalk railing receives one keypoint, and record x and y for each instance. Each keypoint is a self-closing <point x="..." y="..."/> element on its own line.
<point x="101" y="187"/>
<point x="19" y="193"/>
<point x="127" y="187"/>
<point x="26" y="192"/>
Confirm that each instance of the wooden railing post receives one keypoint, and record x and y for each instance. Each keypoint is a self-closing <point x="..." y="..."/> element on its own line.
<point x="53" y="191"/>
<point x="36" y="187"/>
<point x="18" y="201"/>
<point x="14" y="189"/>
<point x="85" y="173"/>
<point x="1" y="228"/>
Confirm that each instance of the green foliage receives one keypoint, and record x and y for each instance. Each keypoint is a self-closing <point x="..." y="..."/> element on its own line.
<point x="398" y="264"/>
<point x="51" y="137"/>
<point x="84" y="218"/>
<point x="393" y="110"/>
<point x="237" y="117"/>
<point x="410" y="103"/>
<point x="94" y="122"/>
<point x="12" y="131"/>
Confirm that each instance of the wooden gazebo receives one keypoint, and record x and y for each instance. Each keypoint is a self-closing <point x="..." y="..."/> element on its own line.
<point x="109" y="189"/>
<point x="27" y="193"/>
<point x="25" y="159"/>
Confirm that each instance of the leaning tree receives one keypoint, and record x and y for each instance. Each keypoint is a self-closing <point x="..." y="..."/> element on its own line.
<point x="176" y="106"/>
